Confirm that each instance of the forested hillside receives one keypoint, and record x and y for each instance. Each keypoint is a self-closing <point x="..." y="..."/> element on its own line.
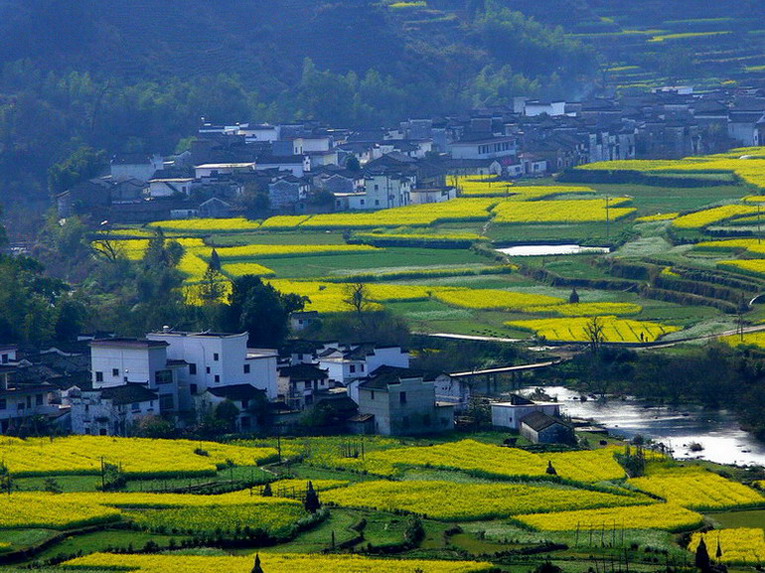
<point x="138" y="75"/>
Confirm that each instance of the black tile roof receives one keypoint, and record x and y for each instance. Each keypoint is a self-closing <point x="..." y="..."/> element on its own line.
<point x="127" y="394"/>
<point x="130" y="342"/>
<point x="538" y="421"/>
<point x="237" y="392"/>
<point x="385" y="375"/>
<point x="300" y="372"/>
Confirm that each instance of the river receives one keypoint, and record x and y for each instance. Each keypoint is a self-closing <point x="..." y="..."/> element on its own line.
<point x="716" y="430"/>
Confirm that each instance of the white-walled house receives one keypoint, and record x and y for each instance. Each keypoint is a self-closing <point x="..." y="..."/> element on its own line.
<point x="169" y="187"/>
<point x="298" y="383"/>
<point x="8" y="353"/>
<point x="248" y="400"/>
<point x="21" y="401"/>
<point x="111" y="411"/>
<point x="403" y="402"/>
<point x="259" y="132"/>
<point x="207" y="170"/>
<point x="509" y="414"/>
<point x="386" y="190"/>
<point x="220" y="359"/>
<point x="347" y="362"/>
<point x="116" y="362"/>
<point x="488" y="148"/>
<point x="138" y="166"/>
<point x="534" y="108"/>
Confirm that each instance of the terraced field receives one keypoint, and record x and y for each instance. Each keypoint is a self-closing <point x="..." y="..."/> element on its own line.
<point x="497" y="505"/>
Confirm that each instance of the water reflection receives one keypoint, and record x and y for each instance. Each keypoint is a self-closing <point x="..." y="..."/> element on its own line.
<point x="716" y="430"/>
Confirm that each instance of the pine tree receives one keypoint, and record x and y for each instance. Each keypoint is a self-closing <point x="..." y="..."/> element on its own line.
<point x="702" y="556"/>
<point x="719" y="552"/>
<point x="215" y="260"/>
<point x="257" y="568"/>
<point x="550" y="469"/>
<point x="312" y="503"/>
<point x="267" y="491"/>
<point x="573" y="298"/>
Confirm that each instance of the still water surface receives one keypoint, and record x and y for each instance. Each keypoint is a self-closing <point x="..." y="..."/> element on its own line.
<point x="716" y="430"/>
<point x="541" y="250"/>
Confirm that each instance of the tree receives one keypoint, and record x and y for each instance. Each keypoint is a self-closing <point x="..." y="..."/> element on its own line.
<point x="156" y="427"/>
<point x="267" y="491"/>
<point x="257" y="568"/>
<point x="356" y="295"/>
<point x="52" y="486"/>
<point x="212" y="288"/>
<point x="312" y="502"/>
<point x="594" y="332"/>
<point x="573" y="298"/>
<point x="227" y="412"/>
<point x="702" y="560"/>
<point x="84" y="163"/>
<point x="550" y="469"/>
<point x="352" y="164"/>
<point x="379" y="326"/>
<point x="6" y="480"/>
<point x="215" y="260"/>
<point x="261" y="310"/>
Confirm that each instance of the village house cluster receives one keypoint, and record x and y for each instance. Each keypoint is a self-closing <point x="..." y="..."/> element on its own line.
<point x="107" y="385"/>
<point x="252" y="169"/>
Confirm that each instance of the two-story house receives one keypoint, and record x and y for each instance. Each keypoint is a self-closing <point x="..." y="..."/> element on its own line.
<point x="19" y="402"/>
<point x="403" y="402"/>
<point x="118" y="362"/>
<point x="220" y="359"/>
<point x="348" y="362"/>
<point x="298" y="384"/>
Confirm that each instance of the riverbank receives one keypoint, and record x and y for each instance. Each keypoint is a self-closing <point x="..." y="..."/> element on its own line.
<point x="717" y="431"/>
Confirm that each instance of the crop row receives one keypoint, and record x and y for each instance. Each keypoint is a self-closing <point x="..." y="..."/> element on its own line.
<point x="667" y="516"/>
<point x="747" y="163"/>
<point x="737" y="545"/>
<point x="136" y="456"/>
<point x="696" y="488"/>
<point x="588" y="309"/>
<point x="563" y="211"/>
<point x="272" y="563"/>
<point x="579" y="329"/>
<point x="480" y="458"/>
<point x="706" y="217"/>
<point x="469" y="502"/>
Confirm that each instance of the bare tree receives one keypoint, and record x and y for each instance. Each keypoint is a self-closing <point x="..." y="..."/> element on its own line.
<point x="356" y="295"/>
<point x="594" y="332"/>
<point x="107" y="249"/>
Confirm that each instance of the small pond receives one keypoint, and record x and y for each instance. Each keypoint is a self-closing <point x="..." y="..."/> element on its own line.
<point x="542" y="250"/>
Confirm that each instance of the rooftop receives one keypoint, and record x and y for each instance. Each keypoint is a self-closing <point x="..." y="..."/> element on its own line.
<point x="538" y="421"/>
<point x="128" y="394"/>
<point x="237" y="392"/>
<point x="127" y="343"/>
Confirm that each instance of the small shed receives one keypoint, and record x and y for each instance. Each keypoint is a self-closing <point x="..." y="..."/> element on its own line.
<point x="540" y="428"/>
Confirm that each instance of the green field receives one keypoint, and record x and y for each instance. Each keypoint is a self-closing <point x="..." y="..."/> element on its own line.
<point x="384" y="533"/>
<point x="670" y="261"/>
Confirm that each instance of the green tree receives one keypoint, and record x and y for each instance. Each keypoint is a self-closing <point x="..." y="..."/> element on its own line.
<point x="256" y="568"/>
<point x="228" y="413"/>
<point x="312" y="504"/>
<point x="261" y="310"/>
<point x="83" y="163"/>
<point x="701" y="559"/>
